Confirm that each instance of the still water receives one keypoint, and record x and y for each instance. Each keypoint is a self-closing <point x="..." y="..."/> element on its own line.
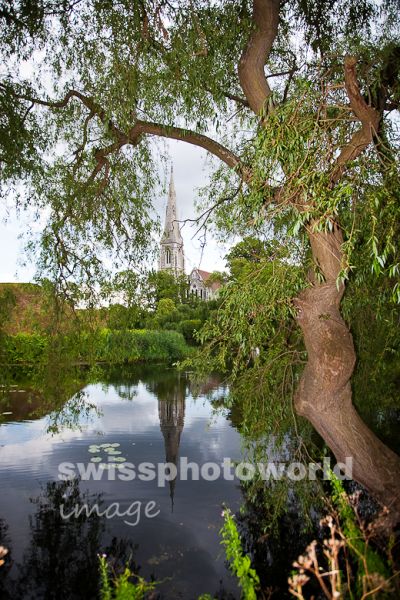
<point x="150" y="415"/>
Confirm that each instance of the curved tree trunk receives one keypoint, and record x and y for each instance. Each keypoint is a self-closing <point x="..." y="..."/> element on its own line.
<point x="324" y="392"/>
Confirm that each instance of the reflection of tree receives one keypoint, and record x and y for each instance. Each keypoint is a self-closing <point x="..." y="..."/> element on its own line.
<point x="123" y="379"/>
<point x="62" y="557"/>
<point x="54" y="390"/>
<point x="60" y="384"/>
<point x="163" y="383"/>
<point x="73" y="413"/>
<point x="168" y="385"/>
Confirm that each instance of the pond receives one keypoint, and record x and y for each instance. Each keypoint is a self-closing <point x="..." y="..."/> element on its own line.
<point x="149" y="415"/>
<point x="85" y="471"/>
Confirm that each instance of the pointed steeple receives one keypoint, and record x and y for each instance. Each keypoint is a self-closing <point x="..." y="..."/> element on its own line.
<point x="171" y="229"/>
<point x="172" y="256"/>
<point x="172" y="193"/>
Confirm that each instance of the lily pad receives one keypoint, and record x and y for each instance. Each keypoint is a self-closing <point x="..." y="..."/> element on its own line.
<point x="93" y="450"/>
<point x="95" y="459"/>
<point x="117" y="459"/>
<point x="115" y="445"/>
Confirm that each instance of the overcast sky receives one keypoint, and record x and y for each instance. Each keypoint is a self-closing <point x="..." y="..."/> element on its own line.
<point x="190" y="173"/>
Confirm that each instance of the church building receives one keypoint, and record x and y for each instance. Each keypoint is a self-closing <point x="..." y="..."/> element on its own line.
<point x="200" y="287"/>
<point x="172" y="255"/>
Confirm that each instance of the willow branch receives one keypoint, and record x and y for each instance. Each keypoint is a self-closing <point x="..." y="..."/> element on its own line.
<point x="87" y="101"/>
<point x="141" y="128"/>
<point x="368" y="116"/>
<point x="190" y="137"/>
<point x="251" y="66"/>
<point x="234" y="97"/>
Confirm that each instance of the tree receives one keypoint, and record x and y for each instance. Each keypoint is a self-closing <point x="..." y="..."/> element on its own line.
<point x="165" y="308"/>
<point x="160" y="285"/>
<point x="216" y="277"/>
<point x="253" y="250"/>
<point x="312" y="155"/>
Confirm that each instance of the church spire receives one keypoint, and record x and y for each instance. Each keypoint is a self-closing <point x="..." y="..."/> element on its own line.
<point x="172" y="193"/>
<point x="171" y="228"/>
<point x="171" y="246"/>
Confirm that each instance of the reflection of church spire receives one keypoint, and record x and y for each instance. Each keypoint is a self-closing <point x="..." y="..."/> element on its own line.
<point x="172" y="416"/>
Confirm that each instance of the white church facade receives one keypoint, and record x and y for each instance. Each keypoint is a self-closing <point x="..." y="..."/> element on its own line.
<point x="172" y="255"/>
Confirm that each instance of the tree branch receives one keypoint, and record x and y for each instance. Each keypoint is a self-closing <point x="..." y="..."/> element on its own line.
<point x="146" y="128"/>
<point x="190" y="137"/>
<point x="86" y="101"/>
<point x="251" y="66"/>
<point x="234" y="97"/>
<point x="367" y="115"/>
<point x="237" y="99"/>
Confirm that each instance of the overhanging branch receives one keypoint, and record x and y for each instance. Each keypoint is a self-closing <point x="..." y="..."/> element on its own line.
<point x="190" y="137"/>
<point x="141" y="128"/>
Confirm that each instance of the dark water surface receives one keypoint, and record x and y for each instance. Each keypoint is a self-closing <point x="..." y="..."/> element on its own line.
<point x="154" y="418"/>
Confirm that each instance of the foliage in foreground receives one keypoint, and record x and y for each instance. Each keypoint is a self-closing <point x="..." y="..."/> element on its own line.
<point x="343" y="565"/>
<point x="239" y="562"/>
<point x="122" y="587"/>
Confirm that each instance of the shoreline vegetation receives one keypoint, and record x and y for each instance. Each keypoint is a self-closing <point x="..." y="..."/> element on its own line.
<point x="99" y="347"/>
<point x="338" y="563"/>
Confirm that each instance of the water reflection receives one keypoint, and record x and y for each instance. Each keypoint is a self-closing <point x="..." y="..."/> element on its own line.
<point x="171" y="411"/>
<point x="60" y="560"/>
<point x="55" y="392"/>
<point x="154" y="418"/>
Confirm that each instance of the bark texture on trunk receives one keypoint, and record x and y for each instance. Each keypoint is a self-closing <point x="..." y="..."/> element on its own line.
<point x="324" y="392"/>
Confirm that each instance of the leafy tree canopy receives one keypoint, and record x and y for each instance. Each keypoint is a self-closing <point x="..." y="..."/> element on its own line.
<point x="89" y="86"/>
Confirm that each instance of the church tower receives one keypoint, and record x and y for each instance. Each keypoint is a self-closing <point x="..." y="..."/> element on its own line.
<point x="172" y="257"/>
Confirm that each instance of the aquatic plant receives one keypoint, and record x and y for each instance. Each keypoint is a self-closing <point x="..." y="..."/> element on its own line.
<point x="112" y="457"/>
<point x="121" y="587"/>
<point x="239" y="562"/>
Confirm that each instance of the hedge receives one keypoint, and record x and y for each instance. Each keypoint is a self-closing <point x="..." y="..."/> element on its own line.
<point x="103" y="346"/>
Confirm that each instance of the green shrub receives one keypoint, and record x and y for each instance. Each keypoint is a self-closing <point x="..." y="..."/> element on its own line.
<point x="122" y="587"/>
<point x="239" y="562"/>
<point x="188" y="328"/>
<point x="24" y="348"/>
<point x="102" y="346"/>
